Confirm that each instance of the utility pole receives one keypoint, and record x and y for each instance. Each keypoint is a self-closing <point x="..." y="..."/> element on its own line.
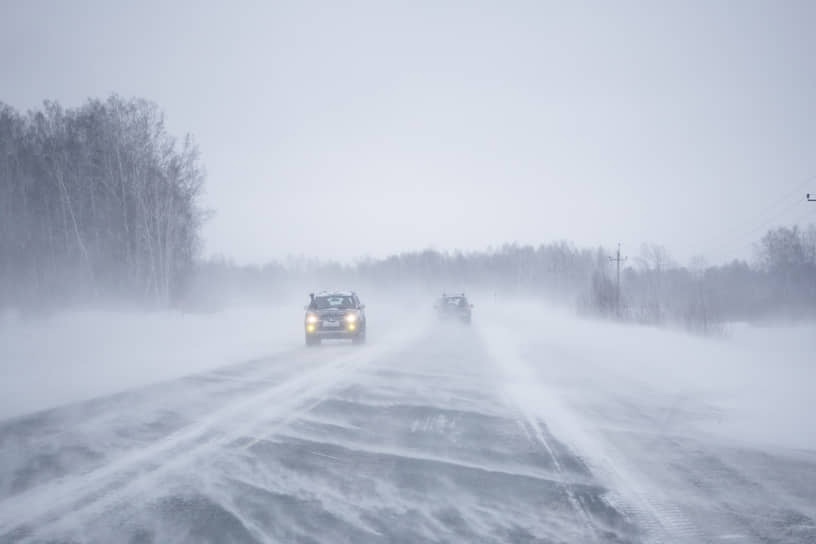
<point x="617" y="260"/>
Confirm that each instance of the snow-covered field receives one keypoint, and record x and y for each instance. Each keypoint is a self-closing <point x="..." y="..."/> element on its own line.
<point x="529" y="426"/>
<point x="77" y="356"/>
<point x="760" y="380"/>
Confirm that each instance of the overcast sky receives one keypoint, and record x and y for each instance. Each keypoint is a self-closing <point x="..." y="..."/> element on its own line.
<point x="344" y="129"/>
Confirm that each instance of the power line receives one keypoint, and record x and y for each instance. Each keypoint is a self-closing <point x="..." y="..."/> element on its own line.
<point x="769" y="221"/>
<point x="768" y="213"/>
<point x="798" y="187"/>
<point x="796" y="220"/>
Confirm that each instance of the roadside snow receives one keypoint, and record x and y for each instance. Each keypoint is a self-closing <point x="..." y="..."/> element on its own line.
<point x="771" y="394"/>
<point x="80" y="355"/>
<point x="756" y="385"/>
<point x="677" y="427"/>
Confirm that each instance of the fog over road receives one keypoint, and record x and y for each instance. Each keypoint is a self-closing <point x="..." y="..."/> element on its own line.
<point x="427" y="434"/>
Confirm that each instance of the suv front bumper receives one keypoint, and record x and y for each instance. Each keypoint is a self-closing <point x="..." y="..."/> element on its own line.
<point x="345" y="330"/>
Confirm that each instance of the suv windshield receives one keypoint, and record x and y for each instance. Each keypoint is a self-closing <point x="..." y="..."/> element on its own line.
<point x="334" y="301"/>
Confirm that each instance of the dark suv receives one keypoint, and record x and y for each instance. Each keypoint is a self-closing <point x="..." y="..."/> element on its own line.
<point x="454" y="307"/>
<point x="334" y="314"/>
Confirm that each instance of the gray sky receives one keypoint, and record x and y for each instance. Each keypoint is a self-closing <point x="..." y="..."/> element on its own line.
<point x="344" y="129"/>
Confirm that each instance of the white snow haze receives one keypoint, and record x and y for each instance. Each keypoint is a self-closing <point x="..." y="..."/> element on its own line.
<point x="375" y="272"/>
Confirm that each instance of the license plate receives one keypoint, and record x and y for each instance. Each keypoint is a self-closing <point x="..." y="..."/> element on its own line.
<point x="331" y="324"/>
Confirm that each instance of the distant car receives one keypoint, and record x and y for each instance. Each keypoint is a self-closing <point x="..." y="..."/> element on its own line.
<point x="334" y="314"/>
<point x="454" y="307"/>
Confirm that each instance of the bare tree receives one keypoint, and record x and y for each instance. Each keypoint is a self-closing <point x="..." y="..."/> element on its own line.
<point x="96" y="201"/>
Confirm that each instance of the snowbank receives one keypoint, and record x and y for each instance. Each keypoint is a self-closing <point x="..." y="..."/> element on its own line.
<point x="756" y="385"/>
<point x="80" y="355"/>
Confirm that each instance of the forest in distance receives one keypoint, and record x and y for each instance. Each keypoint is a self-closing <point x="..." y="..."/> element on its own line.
<point x="654" y="289"/>
<point x="99" y="204"/>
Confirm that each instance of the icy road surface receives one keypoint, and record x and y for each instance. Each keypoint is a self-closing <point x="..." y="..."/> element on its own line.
<point x="449" y="434"/>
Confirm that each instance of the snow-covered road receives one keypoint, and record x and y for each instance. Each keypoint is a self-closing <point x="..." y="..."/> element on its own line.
<point x="490" y="433"/>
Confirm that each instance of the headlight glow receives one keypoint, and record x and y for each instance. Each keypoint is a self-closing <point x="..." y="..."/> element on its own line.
<point x="311" y="318"/>
<point x="351" y="318"/>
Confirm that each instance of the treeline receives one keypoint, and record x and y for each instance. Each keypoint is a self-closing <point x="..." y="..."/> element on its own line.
<point x="780" y="282"/>
<point x="95" y="202"/>
<point x="557" y="270"/>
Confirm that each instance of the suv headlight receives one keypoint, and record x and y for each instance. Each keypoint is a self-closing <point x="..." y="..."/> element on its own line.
<point x="311" y="318"/>
<point x="351" y="318"/>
